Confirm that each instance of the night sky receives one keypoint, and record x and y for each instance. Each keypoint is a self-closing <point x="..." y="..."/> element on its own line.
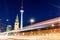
<point x="40" y="10"/>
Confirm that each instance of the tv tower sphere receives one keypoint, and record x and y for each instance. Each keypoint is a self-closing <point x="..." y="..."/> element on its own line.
<point x="22" y="11"/>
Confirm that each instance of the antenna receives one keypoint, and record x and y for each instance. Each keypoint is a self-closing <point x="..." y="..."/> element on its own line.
<point x="21" y="4"/>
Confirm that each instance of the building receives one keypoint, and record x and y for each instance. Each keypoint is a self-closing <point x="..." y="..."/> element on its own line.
<point x="9" y="28"/>
<point x="16" y="25"/>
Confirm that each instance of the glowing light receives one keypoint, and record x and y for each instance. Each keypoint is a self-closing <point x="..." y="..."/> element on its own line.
<point x="52" y="25"/>
<point x="7" y="19"/>
<point x="21" y="10"/>
<point x="32" y="20"/>
<point x="23" y="33"/>
<point x="15" y="34"/>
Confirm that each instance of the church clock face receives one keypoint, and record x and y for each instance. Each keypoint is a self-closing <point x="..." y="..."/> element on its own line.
<point x="16" y="24"/>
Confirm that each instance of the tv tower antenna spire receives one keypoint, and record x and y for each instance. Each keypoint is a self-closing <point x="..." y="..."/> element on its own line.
<point x="21" y="11"/>
<point x="22" y="4"/>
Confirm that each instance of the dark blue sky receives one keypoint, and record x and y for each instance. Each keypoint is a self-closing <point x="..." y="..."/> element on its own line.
<point x="40" y="10"/>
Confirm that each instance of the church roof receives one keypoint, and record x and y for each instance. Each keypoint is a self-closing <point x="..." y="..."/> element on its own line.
<point x="17" y="19"/>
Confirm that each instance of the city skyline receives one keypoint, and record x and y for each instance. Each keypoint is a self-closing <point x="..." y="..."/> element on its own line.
<point x="40" y="10"/>
<point x="29" y="19"/>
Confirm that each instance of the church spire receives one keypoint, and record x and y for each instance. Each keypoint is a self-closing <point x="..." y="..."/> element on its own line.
<point x="17" y="19"/>
<point x="16" y="26"/>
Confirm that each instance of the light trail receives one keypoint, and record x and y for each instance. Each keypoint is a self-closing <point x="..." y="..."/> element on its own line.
<point x="55" y="5"/>
<point x="32" y="37"/>
<point x="38" y="25"/>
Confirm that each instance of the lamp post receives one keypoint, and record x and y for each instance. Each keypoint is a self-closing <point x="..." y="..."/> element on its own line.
<point x="32" y="21"/>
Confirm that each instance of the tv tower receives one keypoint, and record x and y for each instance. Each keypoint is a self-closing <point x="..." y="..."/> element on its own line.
<point x="21" y="11"/>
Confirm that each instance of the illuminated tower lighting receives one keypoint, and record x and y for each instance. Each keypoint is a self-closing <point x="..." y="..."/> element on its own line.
<point x="22" y="11"/>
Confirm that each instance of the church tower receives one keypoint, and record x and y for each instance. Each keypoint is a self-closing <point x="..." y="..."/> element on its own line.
<point x="16" y="25"/>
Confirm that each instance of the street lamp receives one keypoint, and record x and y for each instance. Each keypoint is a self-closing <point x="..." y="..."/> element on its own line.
<point x="32" y="20"/>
